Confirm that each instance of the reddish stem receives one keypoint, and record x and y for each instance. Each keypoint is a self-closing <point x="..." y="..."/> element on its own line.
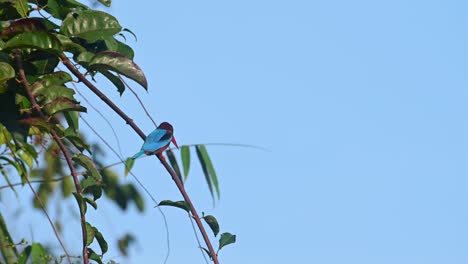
<point x="161" y="158"/>
<point x="59" y="143"/>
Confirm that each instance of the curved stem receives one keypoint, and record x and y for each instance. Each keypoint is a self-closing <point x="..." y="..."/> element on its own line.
<point x="59" y="143"/>
<point x="161" y="158"/>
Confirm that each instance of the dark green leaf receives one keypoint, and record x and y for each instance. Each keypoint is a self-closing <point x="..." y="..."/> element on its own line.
<point x="124" y="243"/>
<point x="85" y="162"/>
<point x="7" y="250"/>
<point x="94" y="256"/>
<point x="115" y="80"/>
<point x="58" y="78"/>
<point x="213" y="223"/>
<point x="139" y="202"/>
<point x="102" y="242"/>
<point x="52" y="92"/>
<point x="178" y="204"/>
<point x="8" y="11"/>
<point x="37" y="122"/>
<point x="40" y="40"/>
<point x="72" y="120"/>
<point x="39" y="254"/>
<point x="88" y="182"/>
<point x="111" y="43"/>
<point x="129" y="165"/>
<point x="69" y="45"/>
<point x="113" y="61"/>
<point x="84" y="58"/>
<point x="60" y="8"/>
<point x="185" y="156"/>
<point x="38" y="63"/>
<point x="60" y="104"/>
<point x="174" y="164"/>
<point x="67" y="186"/>
<point x="91" y="25"/>
<point x="91" y="202"/>
<point x="81" y="202"/>
<point x="105" y="2"/>
<point x="131" y="32"/>
<point x="89" y="234"/>
<point x="209" y="167"/>
<point x="23" y="25"/>
<point x="226" y="239"/>
<point x="205" y="170"/>
<point x="6" y="71"/>
<point x="24" y="256"/>
<point x="124" y="49"/>
<point x="22" y="7"/>
<point x="207" y="252"/>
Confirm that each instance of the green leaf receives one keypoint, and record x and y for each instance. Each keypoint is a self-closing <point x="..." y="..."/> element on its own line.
<point x="6" y="71"/>
<point x="37" y="122"/>
<point x="102" y="242"/>
<point x="124" y="242"/>
<point x="7" y="248"/>
<point x="178" y="204"/>
<point x="40" y="40"/>
<point x="113" y="61"/>
<point x="129" y="165"/>
<point x="38" y="63"/>
<point x="207" y="252"/>
<point x="91" y="202"/>
<point x="131" y="32"/>
<point x="61" y="104"/>
<point x="81" y="203"/>
<point x="105" y="2"/>
<point x="69" y="45"/>
<point x="173" y="162"/>
<point x="185" y="156"/>
<point x="213" y="223"/>
<point x="226" y="239"/>
<point x="94" y="256"/>
<point x="90" y="233"/>
<point x="91" y="25"/>
<point x="72" y="120"/>
<point x="58" y="78"/>
<point x="23" y="25"/>
<point x="52" y="92"/>
<point x="24" y="256"/>
<point x="67" y="186"/>
<point x="84" y="58"/>
<point x="85" y="162"/>
<point x="124" y="49"/>
<point x="115" y="80"/>
<point x="60" y="8"/>
<point x="39" y="254"/>
<point x="22" y="7"/>
<point x="88" y="182"/>
<point x="203" y="155"/>
<point x="206" y="172"/>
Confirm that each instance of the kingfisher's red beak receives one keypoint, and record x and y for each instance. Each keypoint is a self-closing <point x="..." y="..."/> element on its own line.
<point x="174" y="142"/>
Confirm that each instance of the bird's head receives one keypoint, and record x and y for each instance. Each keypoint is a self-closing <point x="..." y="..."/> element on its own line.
<point x="168" y="127"/>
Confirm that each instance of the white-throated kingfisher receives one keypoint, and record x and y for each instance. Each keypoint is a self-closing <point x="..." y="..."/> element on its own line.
<point x="158" y="140"/>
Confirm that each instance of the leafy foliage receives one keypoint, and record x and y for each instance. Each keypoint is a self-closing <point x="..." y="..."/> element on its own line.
<point x="40" y="136"/>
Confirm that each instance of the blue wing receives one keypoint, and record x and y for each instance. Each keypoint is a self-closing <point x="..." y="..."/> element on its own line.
<point x="156" y="140"/>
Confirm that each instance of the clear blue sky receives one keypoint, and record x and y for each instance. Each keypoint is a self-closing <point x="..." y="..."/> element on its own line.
<point x="363" y="105"/>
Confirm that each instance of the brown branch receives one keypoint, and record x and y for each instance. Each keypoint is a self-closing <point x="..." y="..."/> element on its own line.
<point x="59" y="142"/>
<point x="161" y="158"/>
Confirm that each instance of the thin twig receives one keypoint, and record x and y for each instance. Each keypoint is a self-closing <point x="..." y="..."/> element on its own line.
<point x="103" y="117"/>
<point x="61" y="146"/>
<point x="139" y="100"/>
<point x="161" y="158"/>
<point x="41" y="204"/>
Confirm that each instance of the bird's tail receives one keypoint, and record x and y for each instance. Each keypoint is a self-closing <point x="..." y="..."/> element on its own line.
<point x="139" y="154"/>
